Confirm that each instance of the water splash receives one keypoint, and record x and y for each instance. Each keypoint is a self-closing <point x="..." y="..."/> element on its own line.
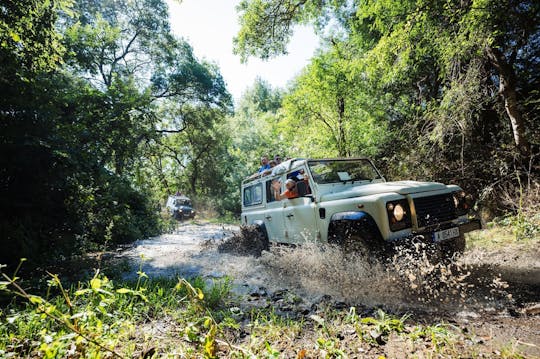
<point x="413" y="277"/>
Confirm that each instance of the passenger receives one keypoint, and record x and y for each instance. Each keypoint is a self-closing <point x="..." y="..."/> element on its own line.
<point x="264" y="167"/>
<point x="264" y="164"/>
<point x="291" y="188"/>
<point x="290" y="192"/>
<point x="268" y="171"/>
<point x="277" y="159"/>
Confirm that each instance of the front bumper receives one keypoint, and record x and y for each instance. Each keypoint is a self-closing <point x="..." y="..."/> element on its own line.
<point x="472" y="225"/>
<point x="428" y="233"/>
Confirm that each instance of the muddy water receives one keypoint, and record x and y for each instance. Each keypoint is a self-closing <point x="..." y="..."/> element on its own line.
<point x="408" y="280"/>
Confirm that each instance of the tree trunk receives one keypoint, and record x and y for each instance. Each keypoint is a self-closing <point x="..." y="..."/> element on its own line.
<point x="342" y="143"/>
<point x="507" y="88"/>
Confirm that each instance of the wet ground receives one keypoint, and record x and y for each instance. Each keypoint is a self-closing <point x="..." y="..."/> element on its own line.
<point x="494" y="293"/>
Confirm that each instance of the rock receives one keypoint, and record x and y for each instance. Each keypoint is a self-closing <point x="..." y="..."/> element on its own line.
<point x="532" y="310"/>
<point x="258" y="293"/>
<point x="317" y="319"/>
<point x="278" y="294"/>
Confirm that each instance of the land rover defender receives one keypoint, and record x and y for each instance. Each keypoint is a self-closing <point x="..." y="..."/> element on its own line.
<point x="347" y="201"/>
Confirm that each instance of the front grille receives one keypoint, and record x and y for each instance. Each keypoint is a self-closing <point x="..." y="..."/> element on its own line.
<point x="434" y="209"/>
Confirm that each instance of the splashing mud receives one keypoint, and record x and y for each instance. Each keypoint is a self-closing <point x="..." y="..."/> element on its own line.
<point x="408" y="279"/>
<point x="413" y="278"/>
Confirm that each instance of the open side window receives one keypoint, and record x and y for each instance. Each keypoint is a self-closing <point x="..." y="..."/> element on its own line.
<point x="302" y="182"/>
<point x="269" y="192"/>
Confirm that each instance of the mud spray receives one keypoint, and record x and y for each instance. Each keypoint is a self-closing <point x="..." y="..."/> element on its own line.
<point x="409" y="279"/>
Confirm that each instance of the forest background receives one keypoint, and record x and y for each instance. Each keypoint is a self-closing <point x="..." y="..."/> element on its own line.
<point x="104" y="112"/>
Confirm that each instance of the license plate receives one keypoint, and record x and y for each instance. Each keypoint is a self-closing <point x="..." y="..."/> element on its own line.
<point x="446" y="234"/>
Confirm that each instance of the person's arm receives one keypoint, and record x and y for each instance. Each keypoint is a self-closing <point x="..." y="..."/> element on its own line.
<point x="276" y="186"/>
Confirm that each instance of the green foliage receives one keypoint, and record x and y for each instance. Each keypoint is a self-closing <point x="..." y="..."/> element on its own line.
<point x="99" y="318"/>
<point x="429" y="89"/>
<point x="93" y="93"/>
<point x="254" y="130"/>
<point x="330" y="112"/>
<point x="29" y="42"/>
<point x="376" y="330"/>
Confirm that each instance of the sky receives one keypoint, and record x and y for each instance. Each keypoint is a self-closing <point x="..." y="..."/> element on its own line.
<point x="210" y="26"/>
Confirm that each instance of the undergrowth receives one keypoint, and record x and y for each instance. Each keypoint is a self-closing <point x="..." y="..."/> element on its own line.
<point x="100" y="318"/>
<point x="151" y="318"/>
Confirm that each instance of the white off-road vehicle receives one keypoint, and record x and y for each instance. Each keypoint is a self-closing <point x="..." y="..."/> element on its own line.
<point x="347" y="201"/>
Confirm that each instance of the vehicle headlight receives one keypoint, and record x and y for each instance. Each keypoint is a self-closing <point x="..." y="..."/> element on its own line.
<point x="399" y="212"/>
<point x="398" y="215"/>
<point x="463" y="202"/>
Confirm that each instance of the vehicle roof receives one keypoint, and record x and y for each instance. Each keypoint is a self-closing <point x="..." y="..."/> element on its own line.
<point x="180" y="197"/>
<point x="282" y="167"/>
<point x="297" y="162"/>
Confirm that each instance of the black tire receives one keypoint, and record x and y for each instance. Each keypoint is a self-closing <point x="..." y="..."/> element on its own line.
<point x="262" y="242"/>
<point x="358" y="239"/>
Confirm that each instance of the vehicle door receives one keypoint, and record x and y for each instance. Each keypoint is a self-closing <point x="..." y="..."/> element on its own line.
<point x="273" y="217"/>
<point x="299" y="214"/>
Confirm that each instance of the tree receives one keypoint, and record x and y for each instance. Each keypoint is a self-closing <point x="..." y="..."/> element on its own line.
<point x="414" y="45"/>
<point x="34" y="173"/>
<point x="254" y="132"/>
<point x="329" y="109"/>
<point x="76" y="125"/>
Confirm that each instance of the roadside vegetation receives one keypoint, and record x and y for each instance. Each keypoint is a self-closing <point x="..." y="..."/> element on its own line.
<point x="174" y="317"/>
<point x="104" y="112"/>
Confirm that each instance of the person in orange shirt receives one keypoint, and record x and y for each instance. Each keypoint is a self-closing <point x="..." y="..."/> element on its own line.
<point x="291" y="190"/>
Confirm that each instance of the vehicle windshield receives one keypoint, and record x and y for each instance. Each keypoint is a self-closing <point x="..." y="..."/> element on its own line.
<point x="343" y="171"/>
<point x="182" y="202"/>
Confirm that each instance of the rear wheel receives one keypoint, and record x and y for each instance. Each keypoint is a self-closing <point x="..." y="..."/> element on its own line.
<point x="260" y="242"/>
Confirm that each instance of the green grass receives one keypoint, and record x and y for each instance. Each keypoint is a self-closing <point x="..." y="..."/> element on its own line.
<point x="506" y="232"/>
<point x="180" y="318"/>
<point x="100" y="317"/>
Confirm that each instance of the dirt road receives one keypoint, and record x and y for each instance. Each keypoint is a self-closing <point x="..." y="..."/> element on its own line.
<point x="496" y="293"/>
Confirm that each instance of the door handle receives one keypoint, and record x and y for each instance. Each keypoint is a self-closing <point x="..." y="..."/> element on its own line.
<point x="268" y="217"/>
<point x="290" y="215"/>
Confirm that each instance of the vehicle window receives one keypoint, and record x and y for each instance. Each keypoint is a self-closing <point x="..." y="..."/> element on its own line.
<point x="298" y="176"/>
<point x="257" y="194"/>
<point x="269" y="192"/>
<point x="253" y="195"/>
<point x="332" y="171"/>
<point x="247" y="196"/>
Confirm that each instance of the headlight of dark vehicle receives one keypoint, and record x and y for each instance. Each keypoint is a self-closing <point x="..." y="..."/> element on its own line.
<point x="399" y="216"/>
<point x="463" y="202"/>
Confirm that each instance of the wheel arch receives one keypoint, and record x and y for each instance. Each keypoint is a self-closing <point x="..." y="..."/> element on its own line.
<point x="346" y="223"/>
<point x="259" y="223"/>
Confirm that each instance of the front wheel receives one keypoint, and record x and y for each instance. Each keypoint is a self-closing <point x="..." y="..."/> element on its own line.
<point x="358" y="239"/>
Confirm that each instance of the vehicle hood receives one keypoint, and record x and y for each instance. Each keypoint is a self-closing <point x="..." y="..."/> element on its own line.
<point x="401" y="187"/>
